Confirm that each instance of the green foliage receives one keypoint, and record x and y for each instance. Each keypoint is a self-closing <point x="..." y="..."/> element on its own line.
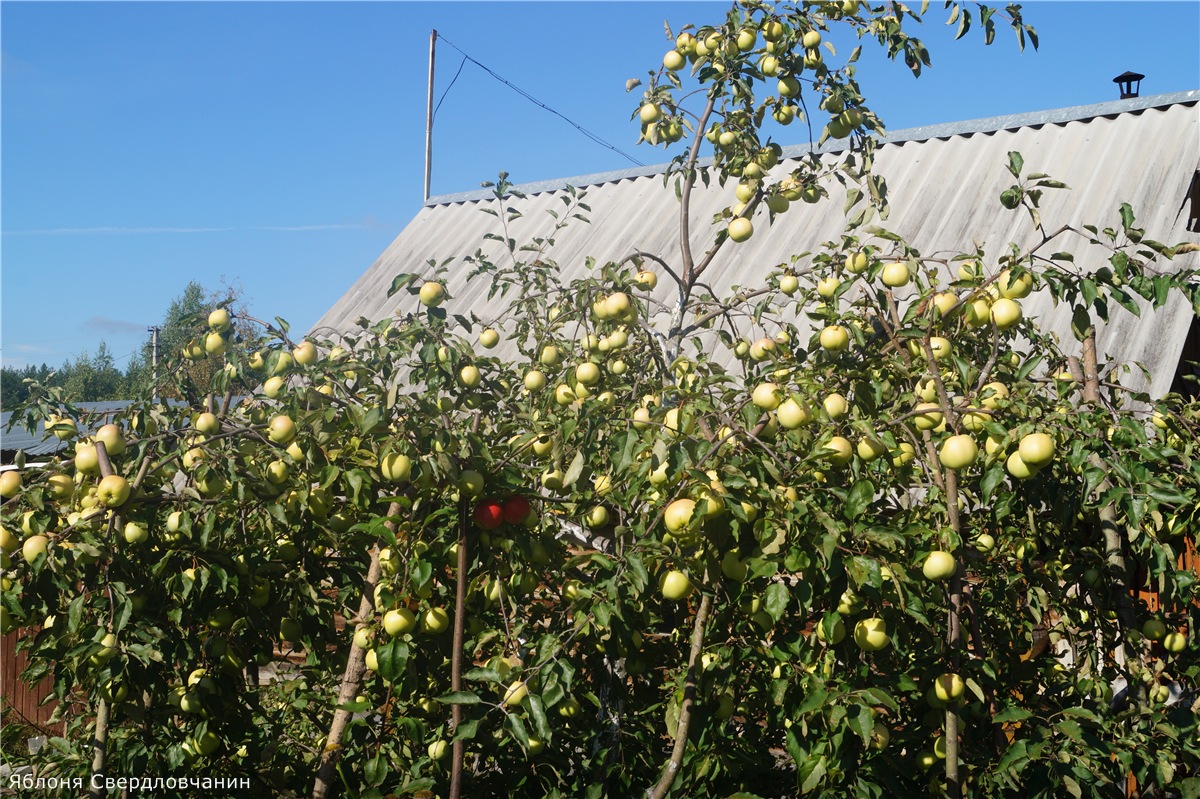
<point x="806" y="527"/>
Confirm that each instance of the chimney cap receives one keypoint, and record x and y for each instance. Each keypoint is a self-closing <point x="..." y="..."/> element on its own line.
<point x="1128" y="76"/>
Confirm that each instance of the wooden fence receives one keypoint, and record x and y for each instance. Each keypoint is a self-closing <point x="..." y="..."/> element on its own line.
<point x="20" y="702"/>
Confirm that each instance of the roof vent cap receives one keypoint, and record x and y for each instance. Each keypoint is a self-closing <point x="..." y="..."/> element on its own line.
<point x="1126" y="81"/>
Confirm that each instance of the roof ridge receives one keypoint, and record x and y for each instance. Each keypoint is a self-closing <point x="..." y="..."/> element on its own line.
<point x="1074" y="113"/>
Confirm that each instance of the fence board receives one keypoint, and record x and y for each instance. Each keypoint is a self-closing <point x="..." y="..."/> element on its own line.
<point x="20" y="702"/>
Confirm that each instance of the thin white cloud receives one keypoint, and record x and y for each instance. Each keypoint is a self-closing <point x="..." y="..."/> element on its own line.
<point x="34" y="349"/>
<point x="127" y="231"/>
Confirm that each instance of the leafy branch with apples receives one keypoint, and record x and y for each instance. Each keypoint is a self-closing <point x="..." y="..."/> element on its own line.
<point x="858" y="528"/>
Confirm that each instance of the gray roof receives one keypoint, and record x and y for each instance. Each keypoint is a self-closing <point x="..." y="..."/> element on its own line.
<point x="35" y="443"/>
<point x="943" y="183"/>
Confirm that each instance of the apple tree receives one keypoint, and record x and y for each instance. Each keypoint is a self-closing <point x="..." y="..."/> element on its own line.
<point x="856" y="528"/>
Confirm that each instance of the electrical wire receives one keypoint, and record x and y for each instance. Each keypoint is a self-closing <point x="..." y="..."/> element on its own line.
<point x="461" y="65"/>
<point x="538" y="103"/>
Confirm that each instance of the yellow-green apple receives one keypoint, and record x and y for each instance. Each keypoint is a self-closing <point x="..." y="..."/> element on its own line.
<point x="1006" y="313"/>
<point x="740" y="229"/>
<point x="215" y="344"/>
<point x="792" y="414"/>
<point x="895" y="274"/>
<point x="281" y="429"/>
<point x="838" y="451"/>
<point x="135" y="533"/>
<point x="535" y="380"/>
<point x="939" y="565"/>
<point x="435" y="620"/>
<point x="766" y="396"/>
<point x="1036" y="449"/>
<point x="305" y="353"/>
<point x="871" y="635"/>
<point x="113" y="438"/>
<point x="675" y="585"/>
<point x="958" y="452"/>
<point x="10" y="483"/>
<point x="113" y="491"/>
<point x="34" y="545"/>
<point x="1014" y="288"/>
<point x="469" y="376"/>
<point x="432" y="294"/>
<point x="219" y="320"/>
<point x="836" y="406"/>
<point x="399" y="621"/>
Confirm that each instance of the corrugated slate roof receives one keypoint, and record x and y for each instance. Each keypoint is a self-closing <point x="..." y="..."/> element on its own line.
<point x="34" y="442"/>
<point x="943" y="184"/>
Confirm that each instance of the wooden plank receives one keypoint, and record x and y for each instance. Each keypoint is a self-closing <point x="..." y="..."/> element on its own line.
<point x="22" y="703"/>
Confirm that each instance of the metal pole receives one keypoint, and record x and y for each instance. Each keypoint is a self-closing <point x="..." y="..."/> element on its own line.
<point x="154" y="362"/>
<point x="429" y="114"/>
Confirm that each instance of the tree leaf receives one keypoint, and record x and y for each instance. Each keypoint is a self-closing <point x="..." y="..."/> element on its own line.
<point x="459" y="698"/>
<point x="775" y="600"/>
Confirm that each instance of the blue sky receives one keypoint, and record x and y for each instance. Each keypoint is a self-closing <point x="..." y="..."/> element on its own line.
<point x="279" y="146"/>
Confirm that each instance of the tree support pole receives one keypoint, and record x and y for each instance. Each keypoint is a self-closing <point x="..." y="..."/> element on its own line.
<point x="456" y="658"/>
<point x="356" y="666"/>
<point x="685" y="709"/>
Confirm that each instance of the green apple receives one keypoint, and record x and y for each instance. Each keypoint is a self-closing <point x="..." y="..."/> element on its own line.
<point x="680" y="516"/>
<point x="835" y="338"/>
<point x="792" y="414"/>
<point x="1036" y="449"/>
<point x="895" y="274"/>
<point x="587" y="373"/>
<point x="949" y="687"/>
<point x="1006" y="313"/>
<point x="215" y="344"/>
<point x="60" y="486"/>
<point x="1154" y="629"/>
<point x="469" y="376"/>
<point x="766" y="396"/>
<point x="395" y="467"/>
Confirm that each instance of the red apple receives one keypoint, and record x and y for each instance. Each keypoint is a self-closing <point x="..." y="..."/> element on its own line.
<point x="516" y="510"/>
<point x="488" y="515"/>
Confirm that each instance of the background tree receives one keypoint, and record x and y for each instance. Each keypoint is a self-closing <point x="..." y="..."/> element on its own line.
<point x="643" y="555"/>
<point x="94" y="377"/>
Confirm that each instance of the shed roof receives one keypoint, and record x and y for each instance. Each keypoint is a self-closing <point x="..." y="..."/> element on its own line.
<point x="36" y="443"/>
<point x="943" y="183"/>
